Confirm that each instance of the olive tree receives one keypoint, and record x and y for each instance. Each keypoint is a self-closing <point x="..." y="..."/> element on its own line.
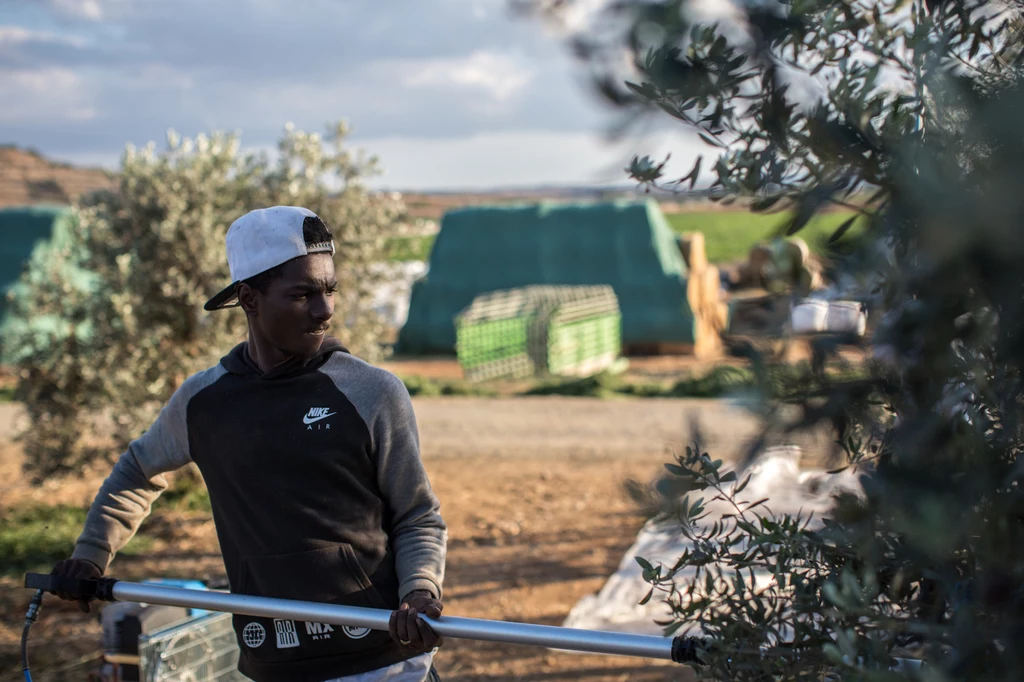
<point x="98" y="355"/>
<point x="909" y="114"/>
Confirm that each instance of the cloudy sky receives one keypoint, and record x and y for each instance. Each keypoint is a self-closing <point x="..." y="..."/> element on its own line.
<point x="450" y="94"/>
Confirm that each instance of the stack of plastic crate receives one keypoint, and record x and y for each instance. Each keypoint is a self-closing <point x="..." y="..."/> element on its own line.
<point x="565" y="330"/>
<point x="202" y="649"/>
<point x="492" y="335"/>
<point x="584" y="334"/>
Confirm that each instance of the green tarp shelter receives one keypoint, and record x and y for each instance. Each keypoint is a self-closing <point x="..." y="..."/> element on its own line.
<point x="625" y="244"/>
<point x="43" y="236"/>
<point x="21" y="230"/>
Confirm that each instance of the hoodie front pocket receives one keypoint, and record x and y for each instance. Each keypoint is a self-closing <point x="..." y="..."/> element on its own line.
<point x="330" y="574"/>
<point x="325" y="575"/>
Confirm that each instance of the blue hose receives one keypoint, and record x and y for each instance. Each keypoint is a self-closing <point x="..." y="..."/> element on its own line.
<point x="30" y="617"/>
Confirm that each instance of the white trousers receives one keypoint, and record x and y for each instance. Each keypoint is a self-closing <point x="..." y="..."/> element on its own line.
<point x="412" y="670"/>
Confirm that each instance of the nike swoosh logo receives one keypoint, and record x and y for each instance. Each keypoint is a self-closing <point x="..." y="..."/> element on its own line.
<point x="307" y="420"/>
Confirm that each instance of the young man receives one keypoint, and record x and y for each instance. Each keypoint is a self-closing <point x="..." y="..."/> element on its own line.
<point x="311" y="458"/>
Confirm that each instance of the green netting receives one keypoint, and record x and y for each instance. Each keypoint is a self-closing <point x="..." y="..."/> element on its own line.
<point x="533" y="330"/>
<point x="626" y="245"/>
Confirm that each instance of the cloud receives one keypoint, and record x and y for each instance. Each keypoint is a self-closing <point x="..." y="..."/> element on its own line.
<point x="498" y="75"/>
<point x="563" y="19"/>
<point x="78" y="9"/>
<point x="527" y="158"/>
<point x="46" y="95"/>
<point x="11" y="36"/>
<point x="413" y="70"/>
<point x="156" y="76"/>
<point x="522" y="158"/>
<point x="125" y="71"/>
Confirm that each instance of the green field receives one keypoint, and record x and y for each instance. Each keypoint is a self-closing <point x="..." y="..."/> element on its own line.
<point x="410" y="248"/>
<point x="728" y="235"/>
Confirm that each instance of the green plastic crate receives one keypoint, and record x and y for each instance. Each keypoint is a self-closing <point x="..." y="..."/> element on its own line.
<point x="560" y="330"/>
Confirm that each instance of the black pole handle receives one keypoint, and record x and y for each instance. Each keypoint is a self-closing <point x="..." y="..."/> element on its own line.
<point x="80" y="588"/>
<point x="687" y="650"/>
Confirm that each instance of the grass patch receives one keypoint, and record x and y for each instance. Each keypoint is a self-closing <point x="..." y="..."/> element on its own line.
<point x="719" y="382"/>
<point x="603" y="385"/>
<point x="34" y="537"/>
<point x="426" y="387"/>
<point x="6" y="394"/>
<point x="186" y="493"/>
<point x="729" y="235"/>
<point x="716" y="383"/>
<point x="400" y="249"/>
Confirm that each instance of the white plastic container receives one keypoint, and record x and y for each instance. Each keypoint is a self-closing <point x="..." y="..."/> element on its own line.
<point x="846" y="317"/>
<point x="809" y="316"/>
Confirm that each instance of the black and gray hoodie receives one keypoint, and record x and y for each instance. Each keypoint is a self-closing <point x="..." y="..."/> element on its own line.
<point x="318" y="494"/>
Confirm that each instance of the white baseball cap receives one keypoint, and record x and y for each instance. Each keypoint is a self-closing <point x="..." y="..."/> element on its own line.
<point x="263" y="239"/>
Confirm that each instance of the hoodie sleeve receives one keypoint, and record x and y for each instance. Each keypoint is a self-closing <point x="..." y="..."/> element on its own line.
<point x="419" y="535"/>
<point x="137" y="479"/>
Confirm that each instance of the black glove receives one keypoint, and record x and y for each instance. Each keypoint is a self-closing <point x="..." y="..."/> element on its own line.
<point x="77" y="568"/>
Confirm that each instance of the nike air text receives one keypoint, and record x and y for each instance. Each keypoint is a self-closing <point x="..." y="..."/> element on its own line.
<point x="315" y="414"/>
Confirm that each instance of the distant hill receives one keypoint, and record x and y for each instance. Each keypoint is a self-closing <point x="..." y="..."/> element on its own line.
<point x="432" y="205"/>
<point x="28" y="178"/>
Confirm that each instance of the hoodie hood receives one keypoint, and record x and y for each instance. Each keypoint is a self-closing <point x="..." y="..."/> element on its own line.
<point x="238" y="361"/>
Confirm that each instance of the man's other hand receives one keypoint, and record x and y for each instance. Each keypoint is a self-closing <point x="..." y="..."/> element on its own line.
<point x="76" y="568"/>
<point x="411" y="632"/>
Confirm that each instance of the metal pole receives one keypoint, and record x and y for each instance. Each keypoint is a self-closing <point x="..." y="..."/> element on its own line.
<point x="593" y="641"/>
<point x="680" y="649"/>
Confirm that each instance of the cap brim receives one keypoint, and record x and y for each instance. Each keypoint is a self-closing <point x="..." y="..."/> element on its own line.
<point x="226" y="298"/>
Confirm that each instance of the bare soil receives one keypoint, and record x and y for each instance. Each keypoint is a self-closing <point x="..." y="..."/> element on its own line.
<point x="532" y="490"/>
<point x="640" y="367"/>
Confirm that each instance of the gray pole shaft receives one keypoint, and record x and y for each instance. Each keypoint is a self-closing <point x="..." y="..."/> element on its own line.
<point x="594" y="641"/>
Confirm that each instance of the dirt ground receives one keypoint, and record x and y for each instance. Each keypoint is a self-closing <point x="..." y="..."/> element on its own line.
<point x="639" y="368"/>
<point x="651" y="367"/>
<point x="532" y="490"/>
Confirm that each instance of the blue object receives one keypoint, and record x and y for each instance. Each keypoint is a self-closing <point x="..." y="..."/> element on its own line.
<point x="184" y="584"/>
